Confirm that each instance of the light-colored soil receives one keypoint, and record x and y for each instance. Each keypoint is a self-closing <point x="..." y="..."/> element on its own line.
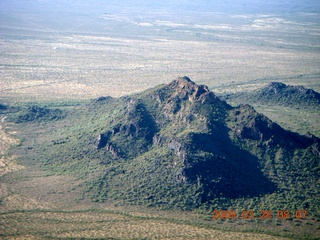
<point x="86" y="65"/>
<point x="7" y="162"/>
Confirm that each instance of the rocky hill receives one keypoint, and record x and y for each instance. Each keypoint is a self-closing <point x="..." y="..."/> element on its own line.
<point x="280" y="94"/>
<point x="179" y="145"/>
<point x="294" y="107"/>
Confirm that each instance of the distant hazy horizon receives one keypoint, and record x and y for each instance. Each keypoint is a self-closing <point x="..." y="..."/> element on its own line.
<point x="224" y="6"/>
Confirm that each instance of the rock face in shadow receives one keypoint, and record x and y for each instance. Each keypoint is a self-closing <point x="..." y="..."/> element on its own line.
<point x="136" y="125"/>
<point x="250" y="124"/>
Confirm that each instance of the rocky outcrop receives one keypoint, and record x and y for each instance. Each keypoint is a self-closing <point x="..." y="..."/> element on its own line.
<point x="185" y="89"/>
<point x="251" y="125"/>
<point x="316" y="149"/>
<point x="103" y="142"/>
<point x="102" y="99"/>
<point x="178" y="149"/>
<point x="182" y="90"/>
<point x="113" y="150"/>
<point x="103" y="139"/>
<point x="137" y="126"/>
<point x="281" y="88"/>
<point x="275" y="87"/>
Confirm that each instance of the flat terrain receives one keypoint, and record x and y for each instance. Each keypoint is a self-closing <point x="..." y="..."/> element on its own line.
<point x="118" y="53"/>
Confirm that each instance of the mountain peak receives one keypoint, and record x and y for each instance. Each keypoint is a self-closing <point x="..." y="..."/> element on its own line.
<point x="184" y="83"/>
<point x="185" y="89"/>
<point x="185" y="78"/>
<point x="275" y="87"/>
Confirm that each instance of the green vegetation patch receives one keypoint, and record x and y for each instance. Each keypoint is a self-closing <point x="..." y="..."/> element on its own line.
<point x="36" y="113"/>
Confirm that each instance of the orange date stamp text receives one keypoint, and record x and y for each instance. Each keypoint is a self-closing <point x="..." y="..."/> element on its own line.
<point x="263" y="215"/>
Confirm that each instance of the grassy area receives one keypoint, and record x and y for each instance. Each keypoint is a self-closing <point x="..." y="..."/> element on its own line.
<point x="109" y="224"/>
<point x="36" y="206"/>
<point x="296" y="120"/>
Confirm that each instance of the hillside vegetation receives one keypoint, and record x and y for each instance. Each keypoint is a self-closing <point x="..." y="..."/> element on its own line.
<point x="179" y="146"/>
<point x="35" y="113"/>
<point x="294" y="107"/>
<point x="278" y="93"/>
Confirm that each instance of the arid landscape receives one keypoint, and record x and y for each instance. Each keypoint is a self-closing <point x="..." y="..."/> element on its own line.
<point x="60" y="54"/>
<point x="118" y="53"/>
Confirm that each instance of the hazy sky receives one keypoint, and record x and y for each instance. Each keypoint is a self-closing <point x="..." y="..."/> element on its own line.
<point x="226" y="6"/>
